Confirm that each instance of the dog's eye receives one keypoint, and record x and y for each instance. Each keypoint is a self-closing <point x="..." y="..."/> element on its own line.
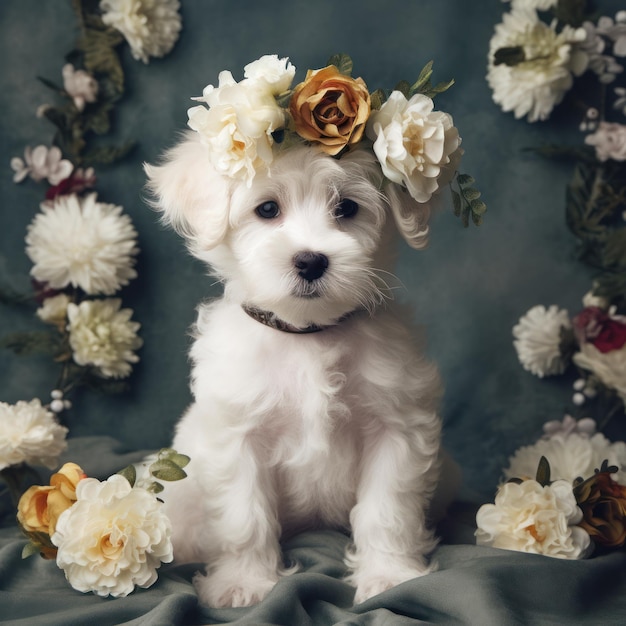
<point x="346" y="208"/>
<point x="268" y="210"/>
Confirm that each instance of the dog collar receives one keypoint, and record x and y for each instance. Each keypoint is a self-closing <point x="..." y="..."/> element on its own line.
<point x="273" y="321"/>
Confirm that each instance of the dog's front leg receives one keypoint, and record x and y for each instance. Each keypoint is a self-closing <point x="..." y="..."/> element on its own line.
<point x="247" y="561"/>
<point x="390" y="533"/>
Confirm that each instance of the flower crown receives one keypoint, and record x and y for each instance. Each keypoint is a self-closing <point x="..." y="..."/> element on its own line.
<point x="417" y="147"/>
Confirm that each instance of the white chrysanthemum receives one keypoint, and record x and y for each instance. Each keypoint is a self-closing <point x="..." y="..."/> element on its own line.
<point x="570" y="456"/>
<point x="151" y="27"/>
<point x="112" y="538"/>
<point x="537" y="340"/>
<point x="30" y="434"/>
<point x="416" y="146"/>
<point x="238" y="125"/>
<point x="539" y="5"/>
<point x="608" y="367"/>
<point x="54" y="310"/>
<point x="534" y="86"/>
<point x="83" y="243"/>
<point x="530" y="518"/>
<point x="103" y="335"/>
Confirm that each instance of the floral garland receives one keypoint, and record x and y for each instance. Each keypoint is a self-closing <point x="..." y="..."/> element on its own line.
<point x="83" y="252"/>
<point x="245" y="123"/>
<point x="567" y="493"/>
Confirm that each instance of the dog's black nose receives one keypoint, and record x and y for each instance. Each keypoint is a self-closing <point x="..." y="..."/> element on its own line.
<point x="311" y="265"/>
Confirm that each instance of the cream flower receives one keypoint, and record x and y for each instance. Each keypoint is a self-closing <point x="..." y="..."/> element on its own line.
<point x="535" y="85"/>
<point x="104" y="336"/>
<point x="416" y="146"/>
<point x="537" y="340"/>
<point x="113" y="538"/>
<point x="238" y="125"/>
<point x="539" y="5"/>
<point x="54" y="310"/>
<point x="570" y="456"/>
<point x="277" y="73"/>
<point x="151" y="27"/>
<point x="29" y="434"/>
<point x="530" y="518"/>
<point x="608" y="367"/>
<point x="41" y="163"/>
<point x="84" y="243"/>
<point x="81" y="86"/>
<point x="609" y="140"/>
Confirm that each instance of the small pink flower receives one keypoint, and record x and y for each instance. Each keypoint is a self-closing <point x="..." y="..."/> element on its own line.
<point x="41" y="163"/>
<point x="79" y="85"/>
<point x="609" y="141"/>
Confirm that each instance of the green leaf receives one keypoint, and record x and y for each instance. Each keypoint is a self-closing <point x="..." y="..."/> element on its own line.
<point x="431" y="92"/>
<point x="403" y="87"/>
<point x="509" y="56"/>
<point x="543" y="472"/>
<point x="423" y="79"/>
<point x="478" y="207"/>
<point x="465" y="179"/>
<point x="51" y="85"/>
<point x="157" y="488"/>
<point x="471" y="193"/>
<point x="614" y="253"/>
<point x="27" y="343"/>
<point x="100" y="56"/>
<point x="130" y="474"/>
<point x="164" y="469"/>
<point x="456" y="201"/>
<point x="377" y="98"/>
<point x="342" y="62"/>
<point x="29" y="550"/>
<point x="175" y="457"/>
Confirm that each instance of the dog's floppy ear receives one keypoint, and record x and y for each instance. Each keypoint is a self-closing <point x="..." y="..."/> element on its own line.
<point x="411" y="217"/>
<point x="192" y="197"/>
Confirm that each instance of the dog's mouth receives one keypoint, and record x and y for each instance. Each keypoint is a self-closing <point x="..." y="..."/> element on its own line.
<point x="308" y="290"/>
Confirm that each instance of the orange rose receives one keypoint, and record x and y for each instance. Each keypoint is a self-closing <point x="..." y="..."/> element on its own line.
<point x="330" y="108"/>
<point x="603" y="503"/>
<point x="39" y="507"/>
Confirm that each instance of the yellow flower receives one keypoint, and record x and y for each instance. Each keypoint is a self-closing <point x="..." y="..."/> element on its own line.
<point x="39" y="507"/>
<point x="330" y="108"/>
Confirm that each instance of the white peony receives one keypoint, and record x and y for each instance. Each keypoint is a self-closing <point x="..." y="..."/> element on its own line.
<point x="238" y="125"/>
<point x="81" y="86"/>
<point x="84" y="243"/>
<point x="112" y="538"/>
<point x="537" y="340"/>
<point x="609" y="141"/>
<point x="41" y="163"/>
<point x="608" y="367"/>
<point x="416" y="146"/>
<point x="535" y="85"/>
<point x="530" y="518"/>
<point x="103" y="335"/>
<point x="151" y="27"/>
<point x="275" y="72"/>
<point x="570" y="456"/>
<point x="54" y="310"/>
<point x="30" y="434"/>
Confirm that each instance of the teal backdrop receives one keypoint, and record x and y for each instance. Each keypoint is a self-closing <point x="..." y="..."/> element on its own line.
<point x="468" y="288"/>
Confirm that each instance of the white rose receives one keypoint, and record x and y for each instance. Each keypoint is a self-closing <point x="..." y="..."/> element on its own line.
<point x="608" y="367"/>
<point x="609" y="141"/>
<point x="530" y="518"/>
<point x="416" y="146"/>
<point x="238" y="125"/>
<point x="277" y="73"/>
<point x="112" y="538"/>
<point x="30" y="434"/>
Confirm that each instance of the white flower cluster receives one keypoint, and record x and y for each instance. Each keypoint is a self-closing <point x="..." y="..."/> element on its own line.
<point x="113" y="538"/>
<point x="416" y="146"/>
<point x="151" y="27"/>
<point x="29" y="434"/>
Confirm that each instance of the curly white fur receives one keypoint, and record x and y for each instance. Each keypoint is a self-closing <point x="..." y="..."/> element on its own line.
<point x="291" y="431"/>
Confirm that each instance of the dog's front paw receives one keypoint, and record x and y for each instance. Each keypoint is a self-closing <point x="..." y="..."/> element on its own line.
<point x="369" y="582"/>
<point x="231" y="587"/>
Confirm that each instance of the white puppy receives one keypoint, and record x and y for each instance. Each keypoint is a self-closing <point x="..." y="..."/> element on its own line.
<point x="313" y="405"/>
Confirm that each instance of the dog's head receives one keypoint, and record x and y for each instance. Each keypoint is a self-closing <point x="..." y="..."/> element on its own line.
<point x="307" y="240"/>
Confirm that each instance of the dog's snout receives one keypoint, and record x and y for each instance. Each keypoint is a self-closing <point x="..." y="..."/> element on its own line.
<point x="311" y="265"/>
